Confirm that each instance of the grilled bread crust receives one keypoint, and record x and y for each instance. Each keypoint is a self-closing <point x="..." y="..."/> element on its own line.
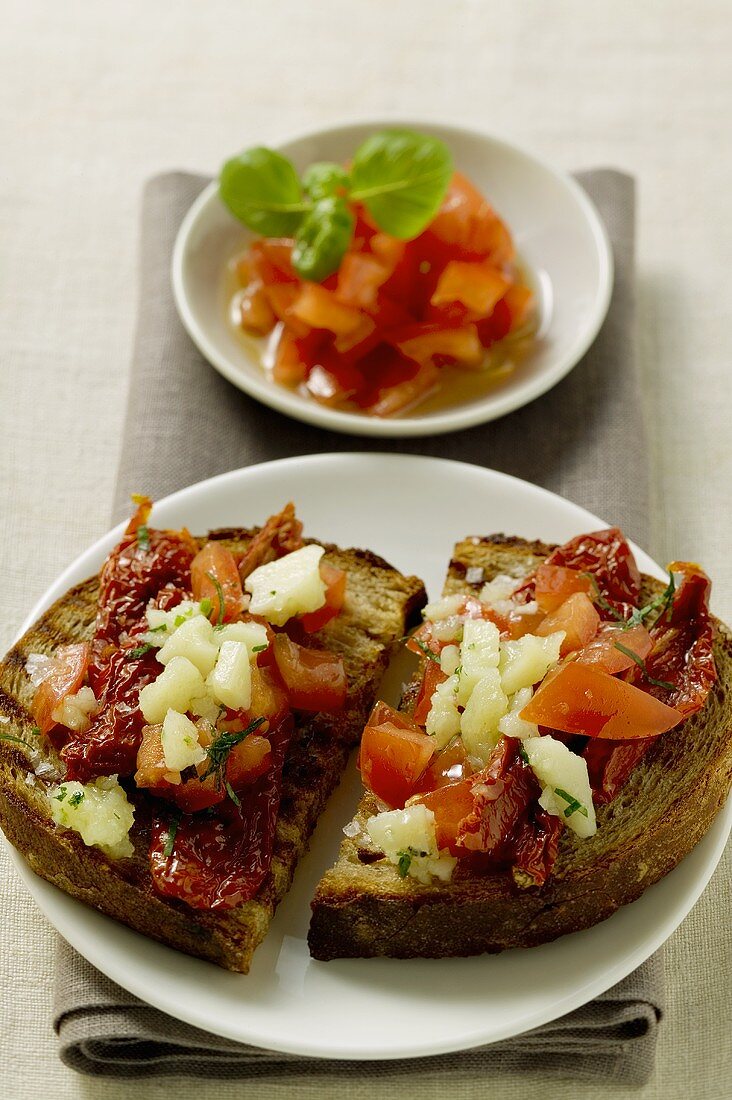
<point x="362" y="907"/>
<point x="380" y="605"/>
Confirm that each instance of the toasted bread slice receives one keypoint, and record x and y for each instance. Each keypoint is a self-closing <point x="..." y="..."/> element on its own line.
<point x="380" y="605"/>
<point x="362" y="907"/>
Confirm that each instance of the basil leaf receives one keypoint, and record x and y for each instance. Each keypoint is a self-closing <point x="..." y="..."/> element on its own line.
<point x="401" y="177"/>
<point x="261" y="189"/>
<point x="324" y="180"/>
<point x="322" y="239"/>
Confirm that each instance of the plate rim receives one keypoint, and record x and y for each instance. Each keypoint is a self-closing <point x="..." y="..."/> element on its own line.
<point x="41" y="891"/>
<point x="440" y="423"/>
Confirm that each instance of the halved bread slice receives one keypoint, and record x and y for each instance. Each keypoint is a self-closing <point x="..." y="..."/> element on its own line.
<point x="380" y="605"/>
<point x="363" y="908"/>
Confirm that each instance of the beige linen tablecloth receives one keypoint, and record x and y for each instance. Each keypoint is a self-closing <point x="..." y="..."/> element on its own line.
<point x="98" y="98"/>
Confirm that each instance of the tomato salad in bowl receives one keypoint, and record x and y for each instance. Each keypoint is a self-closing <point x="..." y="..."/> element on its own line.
<point x="378" y="287"/>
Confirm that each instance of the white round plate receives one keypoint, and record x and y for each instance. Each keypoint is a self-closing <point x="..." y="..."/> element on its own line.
<point x="410" y="510"/>
<point x="558" y="235"/>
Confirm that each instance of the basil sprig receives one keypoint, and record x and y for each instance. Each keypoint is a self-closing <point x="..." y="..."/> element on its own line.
<point x="400" y="177"/>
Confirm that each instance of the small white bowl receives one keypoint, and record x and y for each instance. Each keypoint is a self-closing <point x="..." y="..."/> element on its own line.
<point x="558" y="235"/>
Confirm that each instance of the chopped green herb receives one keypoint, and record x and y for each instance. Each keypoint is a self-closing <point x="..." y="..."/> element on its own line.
<point x="600" y="599"/>
<point x="259" y="648"/>
<point x="180" y="619"/>
<point x="170" y="835"/>
<point x="662" y="603"/>
<point x="158" y="629"/>
<point x="143" y="537"/>
<point x="642" y="666"/>
<point x="36" y="731"/>
<point x="405" y="862"/>
<point x="523" y="754"/>
<point x="426" y="650"/>
<point x="139" y="651"/>
<point x="62" y="791"/>
<point x="575" y="806"/>
<point x="273" y="592"/>
<point x="232" y="794"/>
<point x="16" y="740"/>
<point x="76" y="798"/>
<point x="219" y="749"/>
<point x="205" y="606"/>
<point x="219" y="596"/>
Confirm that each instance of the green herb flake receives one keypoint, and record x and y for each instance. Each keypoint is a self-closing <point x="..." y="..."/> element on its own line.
<point x="170" y="835"/>
<point x="259" y="648"/>
<point x="405" y="862"/>
<point x="143" y="537"/>
<point x="205" y="606"/>
<point x="232" y="794"/>
<point x="600" y="600"/>
<point x="16" y="740"/>
<point x="219" y="596"/>
<point x="139" y="651"/>
<point x="219" y="749"/>
<point x="523" y="754"/>
<point x="661" y="603"/>
<point x="62" y="792"/>
<point x="76" y="799"/>
<point x="158" y="629"/>
<point x="642" y="666"/>
<point x="426" y="650"/>
<point x="36" y="731"/>
<point x="575" y="806"/>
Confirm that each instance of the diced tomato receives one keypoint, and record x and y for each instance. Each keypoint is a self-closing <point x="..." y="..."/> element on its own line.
<point x="477" y="286"/>
<point x="517" y="300"/>
<point x="65" y="675"/>
<point x="315" y="679"/>
<point x="398" y="396"/>
<point x="381" y="712"/>
<point x="582" y="699"/>
<point x="578" y="619"/>
<point x="450" y="804"/>
<point x="603" y="650"/>
<point x="554" y="583"/>
<point x="335" y="593"/>
<point x="424" y="341"/>
<point x="360" y="341"/>
<point x="332" y="380"/>
<point x="269" y="700"/>
<point x="213" y="568"/>
<point x="271" y="260"/>
<point x="392" y="759"/>
<point x="282" y="298"/>
<point x="389" y="250"/>
<point x="248" y="760"/>
<point x="496" y="327"/>
<point x="255" y="311"/>
<point x="389" y="314"/>
<point x="359" y="278"/>
<point x="289" y="368"/>
<point x="468" y="220"/>
<point x="432" y="677"/>
<point x="197" y="793"/>
<point x="449" y="766"/>
<point x="320" y="308"/>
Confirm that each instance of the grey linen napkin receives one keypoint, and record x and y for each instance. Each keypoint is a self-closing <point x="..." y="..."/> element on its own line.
<point x="583" y="440"/>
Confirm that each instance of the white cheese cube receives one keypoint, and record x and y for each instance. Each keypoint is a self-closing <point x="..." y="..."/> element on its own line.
<point x="527" y="660"/>
<point x="512" y="725"/>
<point x="450" y="659"/>
<point x="292" y="585"/>
<point x="175" y="688"/>
<point x="443" y="720"/>
<point x="497" y="591"/>
<point x="253" y="635"/>
<point x="409" y="836"/>
<point x="479" y="653"/>
<point x="98" y="811"/>
<point x="483" y="711"/>
<point x="74" y="711"/>
<point x="179" y="738"/>
<point x="164" y="623"/>
<point x="445" y="608"/>
<point x="566" y="790"/>
<point x="194" y="639"/>
<point x="230" y="683"/>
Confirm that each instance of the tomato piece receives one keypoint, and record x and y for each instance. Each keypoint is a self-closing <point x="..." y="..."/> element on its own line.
<point x="213" y="568"/>
<point x="536" y="844"/>
<point x="517" y="300"/>
<point x="255" y="312"/>
<point x="269" y="699"/>
<point x="281" y="534"/>
<point x="553" y="584"/>
<point x="271" y="260"/>
<point x="248" y="760"/>
<point x="424" y="341"/>
<point x="582" y="699"/>
<point x="333" y="381"/>
<point x="359" y="278"/>
<point x="468" y="220"/>
<point x="282" y="298"/>
<point x="65" y="675"/>
<point x="449" y="766"/>
<point x="389" y="250"/>
<point x="477" y="286"/>
<point x="314" y="679"/>
<point x="609" y="764"/>
<point x="502" y="793"/>
<point x="196" y="793"/>
<point x="335" y="593"/>
<point x="450" y="804"/>
<point x="392" y="759"/>
<point x="578" y="619"/>
<point x="320" y="308"/>
<point x="432" y="677"/>
<point x="398" y="396"/>
<point x="603" y="649"/>
<point x="496" y="327"/>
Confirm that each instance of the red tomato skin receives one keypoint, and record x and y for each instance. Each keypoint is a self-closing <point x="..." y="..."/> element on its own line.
<point x="392" y="758"/>
<point x="335" y="581"/>
<point x="314" y="679"/>
<point x="450" y="804"/>
<point x="432" y="677"/>
<point x="603" y="652"/>
<point x="553" y="584"/>
<point x="585" y="700"/>
<point x="578" y="619"/>
<point x="215" y="561"/>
